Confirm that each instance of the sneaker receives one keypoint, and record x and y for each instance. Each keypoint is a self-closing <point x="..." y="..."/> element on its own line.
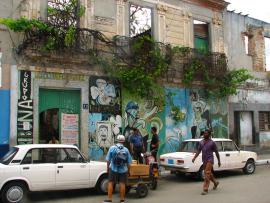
<point x="216" y="185"/>
<point x="204" y="193"/>
<point x="122" y="201"/>
<point x="107" y="201"/>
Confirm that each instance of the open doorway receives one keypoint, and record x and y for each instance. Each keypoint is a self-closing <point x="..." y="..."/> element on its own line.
<point x="49" y="126"/>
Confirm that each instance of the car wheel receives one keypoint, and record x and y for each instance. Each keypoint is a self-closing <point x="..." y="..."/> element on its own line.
<point x="141" y="190"/>
<point x="102" y="185"/>
<point x="200" y="174"/>
<point x="14" y="192"/>
<point x="249" y="167"/>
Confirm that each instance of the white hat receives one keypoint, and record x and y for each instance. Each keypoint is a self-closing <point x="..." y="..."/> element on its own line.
<point x="120" y="138"/>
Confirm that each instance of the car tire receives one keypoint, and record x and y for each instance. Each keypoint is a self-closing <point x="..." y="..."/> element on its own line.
<point x="250" y="167"/>
<point x="102" y="184"/>
<point x="14" y="192"/>
<point x="200" y="174"/>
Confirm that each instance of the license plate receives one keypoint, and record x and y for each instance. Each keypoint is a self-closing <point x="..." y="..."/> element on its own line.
<point x="170" y="161"/>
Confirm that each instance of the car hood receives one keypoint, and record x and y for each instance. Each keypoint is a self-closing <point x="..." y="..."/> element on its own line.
<point x="100" y="163"/>
<point x="178" y="155"/>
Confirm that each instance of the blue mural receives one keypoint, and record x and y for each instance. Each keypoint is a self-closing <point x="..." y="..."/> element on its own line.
<point x="4" y="121"/>
<point x="197" y="113"/>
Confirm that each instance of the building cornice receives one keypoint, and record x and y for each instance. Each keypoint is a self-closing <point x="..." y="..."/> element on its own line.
<point x="218" y="5"/>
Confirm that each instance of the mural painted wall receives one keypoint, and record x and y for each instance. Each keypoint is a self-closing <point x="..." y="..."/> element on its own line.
<point x="196" y="114"/>
<point x="142" y="114"/>
<point x="104" y="115"/>
<point x="4" y="121"/>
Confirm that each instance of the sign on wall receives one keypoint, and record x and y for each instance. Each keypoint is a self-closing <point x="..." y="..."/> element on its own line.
<point x="104" y="95"/>
<point x="70" y="129"/>
<point x="25" y="110"/>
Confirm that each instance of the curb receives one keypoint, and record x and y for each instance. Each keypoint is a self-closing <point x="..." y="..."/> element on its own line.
<point x="263" y="162"/>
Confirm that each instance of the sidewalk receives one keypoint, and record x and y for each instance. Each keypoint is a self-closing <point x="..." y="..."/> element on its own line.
<point x="263" y="159"/>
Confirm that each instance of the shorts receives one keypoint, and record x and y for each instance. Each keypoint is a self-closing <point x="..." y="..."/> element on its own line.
<point x="117" y="177"/>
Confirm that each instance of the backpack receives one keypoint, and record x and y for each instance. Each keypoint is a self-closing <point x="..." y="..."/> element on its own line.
<point x="120" y="156"/>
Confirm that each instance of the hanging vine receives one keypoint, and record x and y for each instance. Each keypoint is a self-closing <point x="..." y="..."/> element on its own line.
<point x="140" y="63"/>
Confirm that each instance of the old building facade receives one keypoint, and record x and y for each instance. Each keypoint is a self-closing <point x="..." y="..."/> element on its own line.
<point x="245" y="39"/>
<point x="63" y="95"/>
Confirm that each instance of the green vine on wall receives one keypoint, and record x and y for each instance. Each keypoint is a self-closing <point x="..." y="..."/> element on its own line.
<point x="142" y="73"/>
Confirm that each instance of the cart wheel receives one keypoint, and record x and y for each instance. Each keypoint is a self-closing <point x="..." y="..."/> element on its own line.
<point x="153" y="184"/>
<point x="128" y="188"/>
<point x="142" y="190"/>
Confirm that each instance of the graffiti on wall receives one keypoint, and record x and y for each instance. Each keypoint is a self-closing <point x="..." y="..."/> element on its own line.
<point x="198" y="113"/>
<point x="105" y="95"/>
<point x="104" y="116"/>
<point x="141" y="114"/>
<point x="103" y="129"/>
<point x="25" y="110"/>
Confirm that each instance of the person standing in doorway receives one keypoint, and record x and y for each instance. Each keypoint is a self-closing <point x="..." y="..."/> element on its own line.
<point x="118" y="161"/>
<point x="207" y="146"/>
<point x="136" y="145"/>
<point x="154" y="143"/>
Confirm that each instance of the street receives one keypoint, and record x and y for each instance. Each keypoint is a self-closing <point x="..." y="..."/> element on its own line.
<point x="235" y="187"/>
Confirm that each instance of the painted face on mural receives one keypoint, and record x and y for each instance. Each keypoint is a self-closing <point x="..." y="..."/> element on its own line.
<point x="103" y="132"/>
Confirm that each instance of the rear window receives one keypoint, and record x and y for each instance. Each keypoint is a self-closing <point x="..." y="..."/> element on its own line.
<point x="9" y="156"/>
<point x="189" y="147"/>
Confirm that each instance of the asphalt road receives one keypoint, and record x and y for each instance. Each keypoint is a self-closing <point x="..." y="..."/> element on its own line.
<point x="235" y="187"/>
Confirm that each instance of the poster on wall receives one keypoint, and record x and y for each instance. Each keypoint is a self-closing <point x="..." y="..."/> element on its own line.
<point x="104" y="95"/>
<point x="104" y="135"/>
<point x="25" y="110"/>
<point x="70" y="129"/>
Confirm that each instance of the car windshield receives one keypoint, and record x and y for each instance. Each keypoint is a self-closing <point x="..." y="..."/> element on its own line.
<point x="9" y="156"/>
<point x="189" y="146"/>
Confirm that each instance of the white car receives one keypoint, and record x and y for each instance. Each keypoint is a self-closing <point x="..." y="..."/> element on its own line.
<point x="46" y="167"/>
<point x="230" y="157"/>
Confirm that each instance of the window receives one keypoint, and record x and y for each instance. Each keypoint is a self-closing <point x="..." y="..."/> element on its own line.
<point x="246" y="41"/>
<point x="201" y="35"/>
<point x="140" y="20"/>
<point x="40" y="156"/>
<point x="229" y="146"/>
<point x="62" y="13"/>
<point x="9" y="156"/>
<point x="267" y="53"/>
<point x="69" y="155"/>
<point x="264" y="121"/>
<point x="219" y="146"/>
<point x="189" y="146"/>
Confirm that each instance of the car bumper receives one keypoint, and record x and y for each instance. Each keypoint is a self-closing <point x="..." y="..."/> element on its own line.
<point x="175" y="168"/>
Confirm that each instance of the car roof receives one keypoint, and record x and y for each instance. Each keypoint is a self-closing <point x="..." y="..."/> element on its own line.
<point x="214" y="139"/>
<point x="31" y="146"/>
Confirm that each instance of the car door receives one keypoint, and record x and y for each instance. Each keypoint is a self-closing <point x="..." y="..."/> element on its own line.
<point x="38" y="167"/>
<point x="233" y="157"/>
<point x="222" y="156"/>
<point x="72" y="171"/>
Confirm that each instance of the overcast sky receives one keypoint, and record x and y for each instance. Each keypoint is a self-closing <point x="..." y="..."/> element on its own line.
<point x="259" y="9"/>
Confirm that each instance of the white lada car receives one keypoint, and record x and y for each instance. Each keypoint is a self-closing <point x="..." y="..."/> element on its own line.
<point x="46" y="167"/>
<point x="230" y="156"/>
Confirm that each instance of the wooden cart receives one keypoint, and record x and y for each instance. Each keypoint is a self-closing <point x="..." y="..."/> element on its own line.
<point x="142" y="176"/>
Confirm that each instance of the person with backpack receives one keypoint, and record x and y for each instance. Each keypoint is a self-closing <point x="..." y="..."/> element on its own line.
<point x="136" y="145"/>
<point x="118" y="160"/>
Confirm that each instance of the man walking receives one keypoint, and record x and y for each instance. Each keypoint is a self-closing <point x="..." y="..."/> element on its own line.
<point x="118" y="160"/>
<point x="136" y="145"/>
<point x="207" y="146"/>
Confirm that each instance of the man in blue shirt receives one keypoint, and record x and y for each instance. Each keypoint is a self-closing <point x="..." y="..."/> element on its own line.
<point x="136" y="145"/>
<point x="118" y="160"/>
